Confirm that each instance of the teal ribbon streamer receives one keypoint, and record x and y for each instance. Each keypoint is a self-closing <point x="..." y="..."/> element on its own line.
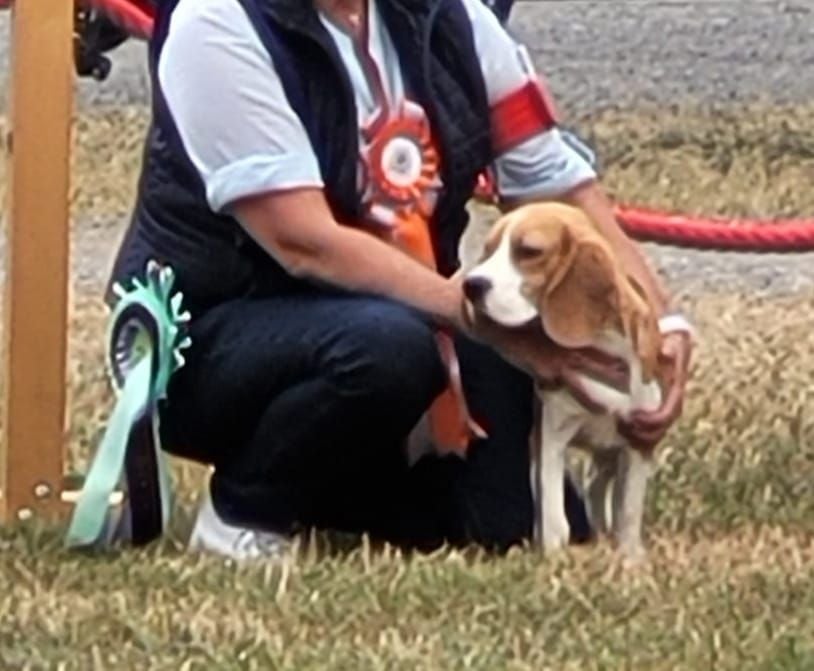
<point x="90" y="517"/>
<point x="143" y="366"/>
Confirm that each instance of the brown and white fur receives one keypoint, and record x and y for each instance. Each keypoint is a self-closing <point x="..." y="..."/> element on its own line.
<point x="547" y="262"/>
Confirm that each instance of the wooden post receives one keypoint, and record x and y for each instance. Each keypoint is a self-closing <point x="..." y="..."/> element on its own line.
<point x="31" y="455"/>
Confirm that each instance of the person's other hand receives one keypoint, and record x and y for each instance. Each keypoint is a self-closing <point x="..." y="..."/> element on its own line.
<point x="646" y="429"/>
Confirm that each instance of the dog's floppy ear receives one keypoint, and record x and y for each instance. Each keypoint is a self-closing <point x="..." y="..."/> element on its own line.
<point x="644" y="333"/>
<point x="646" y="340"/>
<point x="583" y="297"/>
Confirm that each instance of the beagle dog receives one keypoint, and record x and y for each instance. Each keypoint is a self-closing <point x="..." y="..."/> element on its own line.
<point x="548" y="263"/>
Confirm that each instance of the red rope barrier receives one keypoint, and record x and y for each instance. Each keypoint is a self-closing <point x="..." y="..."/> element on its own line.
<point x="135" y="16"/>
<point x="792" y="235"/>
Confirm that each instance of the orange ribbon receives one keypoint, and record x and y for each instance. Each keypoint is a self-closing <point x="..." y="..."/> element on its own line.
<point x="403" y="167"/>
<point x="451" y="424"/>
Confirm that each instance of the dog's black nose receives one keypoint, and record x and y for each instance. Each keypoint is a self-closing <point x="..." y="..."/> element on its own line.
<point x="475" y="288"/>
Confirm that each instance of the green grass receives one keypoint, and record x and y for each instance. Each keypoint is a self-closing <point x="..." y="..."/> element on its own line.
<point x="728" y="584"/>
<point x="742" y="601"/>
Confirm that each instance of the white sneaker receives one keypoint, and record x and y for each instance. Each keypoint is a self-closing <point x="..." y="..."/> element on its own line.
<point x="212" y="534"/>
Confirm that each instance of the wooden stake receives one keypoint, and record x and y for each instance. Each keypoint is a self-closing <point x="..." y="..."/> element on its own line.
<point x="31" y="455"/>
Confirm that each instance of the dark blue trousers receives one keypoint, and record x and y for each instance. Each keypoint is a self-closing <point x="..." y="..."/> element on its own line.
<point x="302" y="403"/>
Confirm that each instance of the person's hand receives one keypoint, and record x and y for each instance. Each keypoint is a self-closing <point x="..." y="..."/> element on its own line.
<point x="646" y="429"/>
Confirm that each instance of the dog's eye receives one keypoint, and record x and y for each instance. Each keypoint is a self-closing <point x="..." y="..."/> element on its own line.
<point x="525" y="251"/>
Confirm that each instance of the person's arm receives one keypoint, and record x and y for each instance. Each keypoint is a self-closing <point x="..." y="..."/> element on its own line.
<point x="256" y="161"/>
<point x="297" y="229"/>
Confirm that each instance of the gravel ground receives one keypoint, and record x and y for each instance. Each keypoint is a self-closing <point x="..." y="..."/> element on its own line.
<point x="622" y="53"/>
<point x="626" y="53"/>
<point x="600" y="55"/>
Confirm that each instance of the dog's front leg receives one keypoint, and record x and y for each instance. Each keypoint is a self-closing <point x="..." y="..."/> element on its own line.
<point x="628" y="502"/>
<point x="556" y="434"/>
<point x="535" y="474"/>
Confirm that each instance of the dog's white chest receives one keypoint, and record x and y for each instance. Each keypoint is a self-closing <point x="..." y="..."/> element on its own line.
<point x="598" y="431"/>
<point x="587" y="431"/>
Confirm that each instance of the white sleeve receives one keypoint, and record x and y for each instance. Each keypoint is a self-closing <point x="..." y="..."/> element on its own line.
<point x="544" y="166"/>
<point x="229" y="105"/>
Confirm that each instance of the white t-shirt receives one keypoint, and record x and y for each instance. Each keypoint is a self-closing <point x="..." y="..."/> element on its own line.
<point x="242" y="135"/>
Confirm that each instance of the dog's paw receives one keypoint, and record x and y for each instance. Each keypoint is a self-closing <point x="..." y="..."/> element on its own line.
<point x="556" y="534"/>
<point x="633" y="554"/>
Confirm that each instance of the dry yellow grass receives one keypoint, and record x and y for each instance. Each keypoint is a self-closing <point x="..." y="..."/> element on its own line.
<point x="738" y="602"/>
<point x="749" y="162"/>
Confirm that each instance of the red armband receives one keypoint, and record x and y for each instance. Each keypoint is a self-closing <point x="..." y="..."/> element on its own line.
<point x="135" y="16"/>
<point x="521" y="115"/>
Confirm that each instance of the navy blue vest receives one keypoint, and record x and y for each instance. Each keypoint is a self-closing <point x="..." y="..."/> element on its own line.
<point x="212" y="256"/>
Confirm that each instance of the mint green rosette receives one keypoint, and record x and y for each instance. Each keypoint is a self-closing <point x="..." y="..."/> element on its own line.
<point x="147" y="333"/>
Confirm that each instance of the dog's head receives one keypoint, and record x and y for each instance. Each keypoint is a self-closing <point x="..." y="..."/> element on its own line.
<point x="547" y="261"/>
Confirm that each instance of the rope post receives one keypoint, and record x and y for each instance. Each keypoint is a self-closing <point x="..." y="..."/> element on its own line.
<point x="36" y="299"/>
